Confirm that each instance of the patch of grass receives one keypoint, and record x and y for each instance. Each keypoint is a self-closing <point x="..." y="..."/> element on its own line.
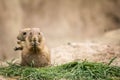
<point x="70" y="71"/>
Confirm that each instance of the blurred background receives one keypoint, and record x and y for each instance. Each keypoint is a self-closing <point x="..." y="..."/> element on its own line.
<point x="61" y="21"/>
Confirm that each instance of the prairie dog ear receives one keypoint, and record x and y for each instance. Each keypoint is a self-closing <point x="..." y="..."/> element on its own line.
<point x="22" y="34"/>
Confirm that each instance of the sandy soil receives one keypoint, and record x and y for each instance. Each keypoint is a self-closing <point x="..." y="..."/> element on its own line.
<point x="95" y="52"/>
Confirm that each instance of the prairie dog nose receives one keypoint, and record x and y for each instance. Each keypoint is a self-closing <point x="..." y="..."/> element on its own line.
<point x="34" y="42"/>
<point x="34" y="39"/>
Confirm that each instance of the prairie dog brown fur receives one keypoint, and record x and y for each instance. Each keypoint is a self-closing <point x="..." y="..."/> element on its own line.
<point x="34" y="52"/>
<point x="21" y="38"/>
<point x="22" y="34"/>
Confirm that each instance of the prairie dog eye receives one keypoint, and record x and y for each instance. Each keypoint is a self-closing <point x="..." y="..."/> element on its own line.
<point x="24" y="33"/>
<point x="39" y="33"/>
<point x="30" y="33"/>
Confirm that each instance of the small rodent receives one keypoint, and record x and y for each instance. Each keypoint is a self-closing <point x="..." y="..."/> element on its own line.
<point x="35" y="52"/>
<point x="21" y="38"/>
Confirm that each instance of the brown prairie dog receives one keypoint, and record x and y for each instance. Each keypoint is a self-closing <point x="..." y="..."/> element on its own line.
<point x="22" y="34"/>
<point x="34" y="51"/>
<point x="21" y="38"/>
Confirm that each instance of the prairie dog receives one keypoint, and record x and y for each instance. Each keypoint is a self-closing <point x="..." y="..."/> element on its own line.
<point x="22" y="34"/>
<point x="21" y="38"/>
<point x="34" y="52"/>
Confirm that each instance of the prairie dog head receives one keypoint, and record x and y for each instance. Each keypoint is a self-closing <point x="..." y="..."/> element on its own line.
<point x="34" y="39"/>
<point x="22" y="34"/>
